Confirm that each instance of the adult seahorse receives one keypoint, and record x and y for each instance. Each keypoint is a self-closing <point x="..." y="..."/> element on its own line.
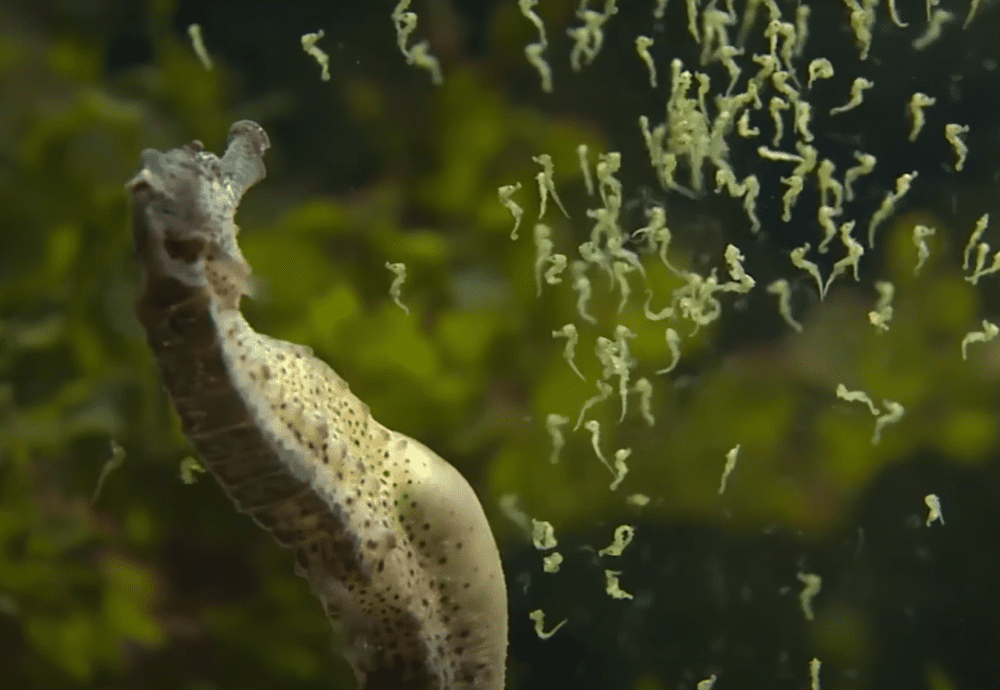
<point x="391" y="538"/>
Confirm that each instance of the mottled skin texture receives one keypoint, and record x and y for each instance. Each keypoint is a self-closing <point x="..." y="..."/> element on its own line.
<point x="391" y="538"/>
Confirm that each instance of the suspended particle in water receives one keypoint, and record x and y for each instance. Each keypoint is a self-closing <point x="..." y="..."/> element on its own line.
<point x="731" y="457"/>
<point x="112" y="464"/>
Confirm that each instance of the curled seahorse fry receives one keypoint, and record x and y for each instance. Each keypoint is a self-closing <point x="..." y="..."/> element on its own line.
<point x="391" y="538"/>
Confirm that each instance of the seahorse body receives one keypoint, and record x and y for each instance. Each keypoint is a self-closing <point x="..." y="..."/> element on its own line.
<point x="391" y="538"/>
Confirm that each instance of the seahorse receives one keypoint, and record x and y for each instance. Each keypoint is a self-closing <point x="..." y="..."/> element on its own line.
<point x="391" y="538"/>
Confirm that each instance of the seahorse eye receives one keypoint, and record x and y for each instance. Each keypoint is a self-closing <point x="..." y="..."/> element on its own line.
<point x="187" y="250"/>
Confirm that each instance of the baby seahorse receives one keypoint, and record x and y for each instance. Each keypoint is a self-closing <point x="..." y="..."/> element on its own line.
<point x="391" y="538"/>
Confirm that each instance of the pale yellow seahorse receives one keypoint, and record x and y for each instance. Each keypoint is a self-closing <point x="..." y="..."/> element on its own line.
<point x="391" y="538"/>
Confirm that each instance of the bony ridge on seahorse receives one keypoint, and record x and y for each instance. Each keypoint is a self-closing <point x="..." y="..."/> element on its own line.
<point x="391" y="538"/>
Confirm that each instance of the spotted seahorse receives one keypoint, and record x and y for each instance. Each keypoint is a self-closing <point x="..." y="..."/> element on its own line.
<point x="391" y="538"/>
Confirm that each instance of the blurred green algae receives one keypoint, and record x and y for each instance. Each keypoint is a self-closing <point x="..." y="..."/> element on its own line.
<point x="161" y="585"/>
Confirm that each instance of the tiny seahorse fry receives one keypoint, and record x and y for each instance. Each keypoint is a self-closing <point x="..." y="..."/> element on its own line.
<point x="396" y="289"/>
<point x="391" y="538"/>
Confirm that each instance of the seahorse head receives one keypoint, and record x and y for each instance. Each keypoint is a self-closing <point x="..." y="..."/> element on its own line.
<point x="185" y="201"/>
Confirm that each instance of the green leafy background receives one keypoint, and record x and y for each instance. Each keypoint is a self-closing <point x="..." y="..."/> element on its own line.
<point x="157" y="583"/>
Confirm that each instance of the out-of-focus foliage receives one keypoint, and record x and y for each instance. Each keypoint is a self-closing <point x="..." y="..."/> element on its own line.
<point x="85" y="587"/>
<point x="160" y="584"/>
